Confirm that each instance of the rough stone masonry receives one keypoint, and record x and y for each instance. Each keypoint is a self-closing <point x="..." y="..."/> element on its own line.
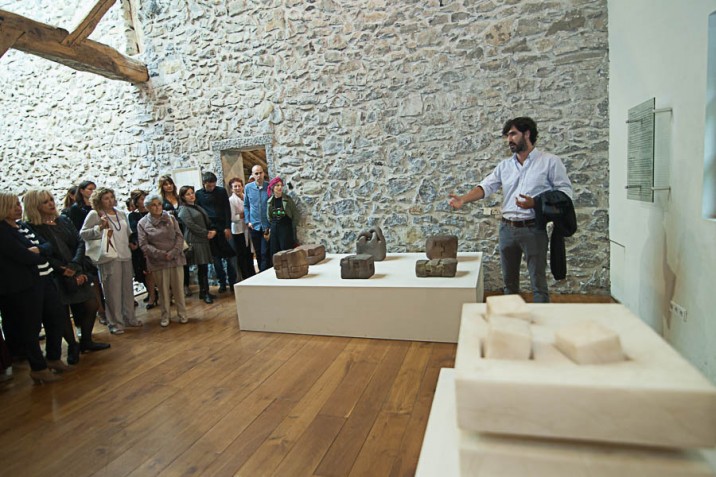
<point x="376" y="110"/>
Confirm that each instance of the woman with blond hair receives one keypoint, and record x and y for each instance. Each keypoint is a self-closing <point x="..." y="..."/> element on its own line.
<point x="67" y="260"/>
<point x="28" y="293"/>
<point x="116" y="272"/>
<point x="162" y="242"/>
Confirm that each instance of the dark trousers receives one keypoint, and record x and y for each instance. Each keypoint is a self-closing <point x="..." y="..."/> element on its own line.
<point x="261" y="247"/>
<point x="221" y="274"/>
<point x="244" y="257"/>
<point x="84" y="315"/>
<point x="532" y="242"/>
<point x="202" y="273"/>
<point x="281" y="236"/>
<point x="25" y="312"/>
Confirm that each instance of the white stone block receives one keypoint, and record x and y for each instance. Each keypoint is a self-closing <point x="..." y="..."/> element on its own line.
<point x="448" y="451"/>
<point x="512" y="306"/>
<point x="508" y="338"/>
<point x="654" y="397"/>
<point x="588" y="342"/>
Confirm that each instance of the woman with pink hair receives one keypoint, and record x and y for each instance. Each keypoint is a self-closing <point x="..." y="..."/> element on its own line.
<point x="283" y="218"/>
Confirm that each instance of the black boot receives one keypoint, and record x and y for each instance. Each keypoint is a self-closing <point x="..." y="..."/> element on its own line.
<point x="73" y="353"/>
<point x="203" y="277"/>
<point x="90" y="345"/>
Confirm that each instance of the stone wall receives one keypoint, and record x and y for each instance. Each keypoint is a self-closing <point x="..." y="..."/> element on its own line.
<point x="377" y="109"/>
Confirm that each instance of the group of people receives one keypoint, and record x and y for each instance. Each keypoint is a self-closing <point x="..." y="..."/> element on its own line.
<point x="81" y="263"/>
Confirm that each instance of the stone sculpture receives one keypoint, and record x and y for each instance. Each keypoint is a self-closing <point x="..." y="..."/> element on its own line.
<point x="588" y="342"/>
<point x="438" y="267"/>
<point x="316" y="253"/>
<point x="508" y="338"/>
<point x="357" y="266"/>
<point x="441" y="246"/>
<point x="372" y="242"/>
<point x="512" y="306"/>
<point x="290" y="263"/>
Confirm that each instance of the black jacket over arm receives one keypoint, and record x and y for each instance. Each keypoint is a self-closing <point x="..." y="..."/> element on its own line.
<point x="556" y="206"/>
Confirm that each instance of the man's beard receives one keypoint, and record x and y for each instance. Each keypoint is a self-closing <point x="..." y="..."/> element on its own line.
<point x="518" y="147"/>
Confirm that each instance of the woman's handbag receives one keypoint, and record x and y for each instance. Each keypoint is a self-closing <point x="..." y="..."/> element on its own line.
<point x="107" y="250"/>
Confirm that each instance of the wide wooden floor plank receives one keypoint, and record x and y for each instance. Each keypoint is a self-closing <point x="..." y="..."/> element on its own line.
<point x="349" y="441"/>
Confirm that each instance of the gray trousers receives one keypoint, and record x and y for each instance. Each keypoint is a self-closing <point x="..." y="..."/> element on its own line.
<point x="170" y="282"/>
<point x="116" y="280"/>
<point x="514" y="241"/>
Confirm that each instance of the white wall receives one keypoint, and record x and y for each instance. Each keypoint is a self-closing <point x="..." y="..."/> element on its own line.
<point x="664" y="251"/>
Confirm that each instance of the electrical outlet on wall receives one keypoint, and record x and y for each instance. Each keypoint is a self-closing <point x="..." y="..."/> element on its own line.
<point x="677" y="311"/>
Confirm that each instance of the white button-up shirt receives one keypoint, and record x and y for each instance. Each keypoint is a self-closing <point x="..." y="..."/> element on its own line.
<point x="540" y="173"/>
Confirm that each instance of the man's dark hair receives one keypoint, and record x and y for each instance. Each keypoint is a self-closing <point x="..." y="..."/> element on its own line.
<point x="522" y="124"/>
<point x="208" y="177"/>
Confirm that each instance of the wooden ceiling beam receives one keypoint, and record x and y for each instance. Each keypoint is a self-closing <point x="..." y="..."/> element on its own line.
<point x="89" y="23"/>
<point x="8" y="37"/>
<point x="47" y="41"/>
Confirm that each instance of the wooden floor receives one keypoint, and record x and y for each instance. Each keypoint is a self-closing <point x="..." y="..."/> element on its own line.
<point x="206" y="399"/>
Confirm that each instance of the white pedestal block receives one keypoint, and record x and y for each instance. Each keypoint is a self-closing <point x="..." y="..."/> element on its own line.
<point x="654" y="397"/>
<point x="448" y="451"/>
<point x="392" y="304"/>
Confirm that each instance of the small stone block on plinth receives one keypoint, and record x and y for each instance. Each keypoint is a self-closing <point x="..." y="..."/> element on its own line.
<point x="290" y="263"/>
<point x="588" y="342"/>
<point x="439" y="267"/>
<point x="441" y="246"/>
<point x="316" y="253"/>
<point x="372" y="242"/>
<point x="512" y="306"/>
<point x="357" y="266"/>
<point x="508" y="338"/>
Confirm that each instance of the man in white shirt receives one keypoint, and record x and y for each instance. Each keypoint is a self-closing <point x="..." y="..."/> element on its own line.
<point x="523" y="176"/>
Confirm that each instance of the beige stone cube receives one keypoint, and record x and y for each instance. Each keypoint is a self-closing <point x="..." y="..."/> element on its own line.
<point x="512" y="306"/>
<point x="588" y="342"/>
<point x="508" y="338"/>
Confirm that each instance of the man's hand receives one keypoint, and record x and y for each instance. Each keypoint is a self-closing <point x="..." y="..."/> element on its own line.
<point x="227" y="234"/>
<point x="456" y="201"/>
<point x="525" y="202"/>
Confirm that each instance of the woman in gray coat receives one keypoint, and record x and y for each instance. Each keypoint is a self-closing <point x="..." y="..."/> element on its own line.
<point x="198" y="234"/>
<point x="162" y="242"/>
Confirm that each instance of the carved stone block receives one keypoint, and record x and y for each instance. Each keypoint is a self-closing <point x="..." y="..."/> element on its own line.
<point x="441" y="246"/>
<point x="588" y="342"/>
<point x="357" y="266"/>
<point x="439" y="267"/>
<point x="512" y="306"/>
<point x="290" y="263"/>
<point x="508" y="338"/>
<point x="372" y="242"/>
<point x="316" y="253"/>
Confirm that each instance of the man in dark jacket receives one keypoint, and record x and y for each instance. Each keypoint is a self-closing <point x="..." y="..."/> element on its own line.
<point x="215" y="202"/>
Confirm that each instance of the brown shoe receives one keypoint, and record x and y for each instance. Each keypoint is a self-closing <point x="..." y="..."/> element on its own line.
<point x="44" y="376"/>
<point x="58" y="366"/>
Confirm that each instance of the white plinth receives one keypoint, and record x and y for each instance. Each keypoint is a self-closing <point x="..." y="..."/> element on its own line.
<point x="393" y="304"/>
<point x="449" y="452"/>
<point x="654" y="397"/>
